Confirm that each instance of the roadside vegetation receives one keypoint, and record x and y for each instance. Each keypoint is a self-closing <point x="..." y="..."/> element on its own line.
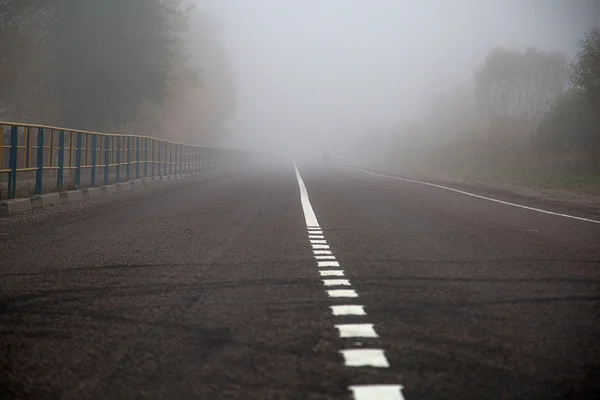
<point x="527" y="117"/>
<point x="154" y="67"/>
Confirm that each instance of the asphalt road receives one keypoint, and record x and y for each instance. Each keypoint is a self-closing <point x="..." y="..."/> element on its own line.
<point x="209" y="289"/>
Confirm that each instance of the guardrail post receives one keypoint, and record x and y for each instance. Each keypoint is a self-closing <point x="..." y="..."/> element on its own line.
<point x="118" y="158"/>
<point x="94" y="159"/>
<point x="170" y="158"/>
<point x="153" y="155"/>
<point x="40" y="162"/>
<point x="159" y="157"/>
<point x="146" y="159"/>
<point x="137" y="157"/>
<point x="27" y="149"/>
<point x="107" y="158"/>
<point x="51" y="149"/>
<point x="61" y="159"/>
<point x="12" y="163"/>
<point x="78" y="160"/>
<point x="179" y="158"/>
<point x="128" y="155"/>
<point x="164" y="157"/>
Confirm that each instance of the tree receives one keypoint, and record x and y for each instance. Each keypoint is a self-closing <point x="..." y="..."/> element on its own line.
<point x="586" y="69"/>
<point x="24" y="28"/>
<point x="108" y="56"/>
<point x="520" y="86"/>
<point x="114" y="65"/>
<point x="570" y="125"/>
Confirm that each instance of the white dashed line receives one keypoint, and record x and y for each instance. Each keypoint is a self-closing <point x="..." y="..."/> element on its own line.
<point x="356" y="357"/>
<point x="365" y="358"/>
<point x="342" y="293"/>
<point x="357" y="330"/>
<point x="377" y="392"/>
<point x="336" y="272"/>
<point x="336" y="282"/>
<point x="348" y="310"/>
<point x="483" y="197"/>
<point x="328" y="264"/>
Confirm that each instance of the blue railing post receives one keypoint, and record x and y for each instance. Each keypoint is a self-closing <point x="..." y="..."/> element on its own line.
<point x="153" y="155"/>
<point x="61" y="159"/>
<point x="118" y="159"/>
<point x="137" y="158"/>
<point x="159" y="157"/>
<point x="39" y="175"/>
<point x="164" y="157"/>
<point x="51" y="149"/>
<point x="146" y="159"/>
<point x="170" y="158"/>
<point x="27" y="148"/>
<point x="94" y="159"/>
<point x="12" y="163"/>
<point x="107" y="158"/>
<point x="78" y="161"/>
<point x="128" y="154"/>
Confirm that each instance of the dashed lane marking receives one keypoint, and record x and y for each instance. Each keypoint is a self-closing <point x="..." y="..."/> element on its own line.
<point x="348" y="310"/>
<point x="336" y="282"/>
<point x="321" y="264"/>
<point x="335" y="272"/>
<point x="377" y="392"/>
<point x="365" y="358"/>
<point x="353" y="357"/>
<point x="325" y="257"/>
<point x="342" y="293"/>
<point x="357" y="330"/>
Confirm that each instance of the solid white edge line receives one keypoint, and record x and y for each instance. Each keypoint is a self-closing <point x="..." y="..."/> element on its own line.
<point x="483" y="197"/>
<point x="377" y="392"/>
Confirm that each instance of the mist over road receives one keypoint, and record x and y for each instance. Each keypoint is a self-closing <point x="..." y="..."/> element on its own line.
<point x="227" y="287"/>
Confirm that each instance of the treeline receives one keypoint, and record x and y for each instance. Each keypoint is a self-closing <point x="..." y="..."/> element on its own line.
<point x="115" y="65"/>
<point x="523" y="112"/>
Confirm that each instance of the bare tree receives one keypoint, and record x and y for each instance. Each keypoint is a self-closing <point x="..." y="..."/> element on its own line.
<point x="516" y="85"/>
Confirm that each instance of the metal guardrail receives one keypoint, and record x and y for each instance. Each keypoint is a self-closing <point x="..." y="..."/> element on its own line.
<point x="102" y="158"/>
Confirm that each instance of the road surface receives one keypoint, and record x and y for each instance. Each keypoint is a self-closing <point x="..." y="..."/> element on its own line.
<point x="212" y="289"/>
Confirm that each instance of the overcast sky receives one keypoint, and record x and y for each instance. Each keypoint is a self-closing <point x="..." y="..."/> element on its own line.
<point x="313" y="71"/>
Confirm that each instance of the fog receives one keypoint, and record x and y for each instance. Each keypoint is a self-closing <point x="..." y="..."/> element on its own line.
<point x="315" y="74"/>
